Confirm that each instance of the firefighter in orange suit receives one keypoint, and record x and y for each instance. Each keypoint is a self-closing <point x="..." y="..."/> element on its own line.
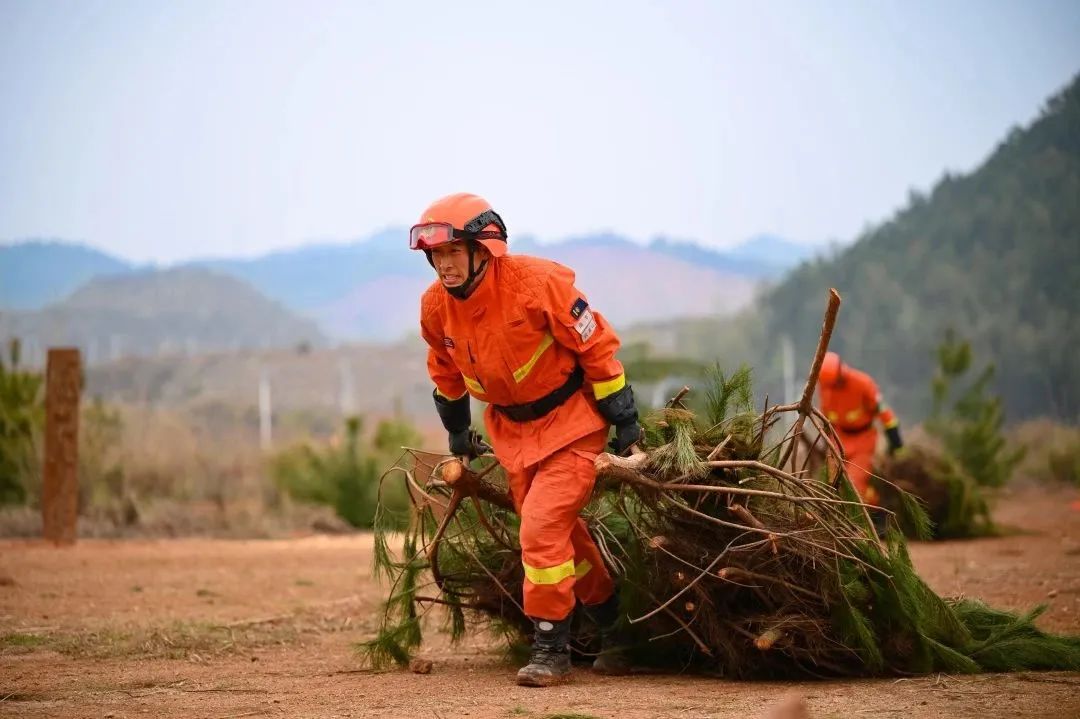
<point x="851" y="401"/>
<point x="514" y="332"/>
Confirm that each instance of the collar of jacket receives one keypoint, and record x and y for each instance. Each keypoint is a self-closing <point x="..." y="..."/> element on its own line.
<point x="484" y="294"/>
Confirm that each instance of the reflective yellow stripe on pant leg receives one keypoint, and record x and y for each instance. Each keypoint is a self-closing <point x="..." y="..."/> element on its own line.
<point x="549" y="575"/>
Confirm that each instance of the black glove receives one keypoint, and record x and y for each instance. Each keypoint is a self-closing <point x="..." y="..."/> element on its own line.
<point x="456" y="416"/>
<point x="468" y="443"/>
<point x="893" y="435"/>
<point x="626" y="436"/>
<point x="619" y="409"/>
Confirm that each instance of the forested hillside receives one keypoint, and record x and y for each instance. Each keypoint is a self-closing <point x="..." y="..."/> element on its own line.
<point x="994" y="254"/>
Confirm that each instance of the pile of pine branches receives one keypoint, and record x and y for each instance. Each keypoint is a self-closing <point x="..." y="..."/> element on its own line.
<point x="730" y="554"/>
<point x="954" y="502"/>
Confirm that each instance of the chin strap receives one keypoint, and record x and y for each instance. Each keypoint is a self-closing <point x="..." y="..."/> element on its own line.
<point x="462" y="291"/>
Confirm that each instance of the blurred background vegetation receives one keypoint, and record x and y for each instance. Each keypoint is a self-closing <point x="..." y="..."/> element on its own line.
<point x="345" y="473"/>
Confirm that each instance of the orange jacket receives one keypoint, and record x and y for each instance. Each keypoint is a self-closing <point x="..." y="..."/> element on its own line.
<point x="515" y="339"/>
<point x="853" y="402"/>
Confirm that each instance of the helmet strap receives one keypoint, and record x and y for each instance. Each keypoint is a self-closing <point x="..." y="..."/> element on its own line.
<point x="465" y="288"/>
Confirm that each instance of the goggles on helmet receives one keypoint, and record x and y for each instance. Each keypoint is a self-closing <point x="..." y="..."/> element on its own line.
<point x="432" y="234"/>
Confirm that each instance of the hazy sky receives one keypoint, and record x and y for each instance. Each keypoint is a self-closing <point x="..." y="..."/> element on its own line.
<point x="160" y="131"/>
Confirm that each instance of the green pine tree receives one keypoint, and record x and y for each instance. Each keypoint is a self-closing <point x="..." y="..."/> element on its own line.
<point x="345" y="474"/>
<point x="969" y="420"/>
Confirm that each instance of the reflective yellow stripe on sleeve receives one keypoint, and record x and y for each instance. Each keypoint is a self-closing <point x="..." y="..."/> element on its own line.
<point x="884" y="412"/>
<point x="549" y="575"/>
<point x="474" y="386"/>
<point x="610" y="387"/>
<point x="523" y="371"/>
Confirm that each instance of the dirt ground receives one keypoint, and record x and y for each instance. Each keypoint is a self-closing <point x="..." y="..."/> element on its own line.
<point x="266" y="628"/>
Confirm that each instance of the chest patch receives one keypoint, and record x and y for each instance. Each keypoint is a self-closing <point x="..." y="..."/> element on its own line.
<point x="448" y="342"/>
<point x="580" y="306"/>
<point x="586" y="324"/>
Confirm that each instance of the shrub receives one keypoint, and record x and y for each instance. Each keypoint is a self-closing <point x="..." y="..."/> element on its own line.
<point x="22" y="415"/>
<point x="968" y="422"/>
<point x="345" y="473"/>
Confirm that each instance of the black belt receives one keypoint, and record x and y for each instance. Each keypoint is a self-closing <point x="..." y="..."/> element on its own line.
<point x="537" y="409"/>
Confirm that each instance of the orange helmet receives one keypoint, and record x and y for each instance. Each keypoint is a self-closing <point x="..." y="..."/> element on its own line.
<point x="830" y="368"/>
<point x="460" y="216"/>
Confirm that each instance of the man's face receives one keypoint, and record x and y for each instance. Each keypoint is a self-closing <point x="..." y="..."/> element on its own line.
<point x="452" y="262"/>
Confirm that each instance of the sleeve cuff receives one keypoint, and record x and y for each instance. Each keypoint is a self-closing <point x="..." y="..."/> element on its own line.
<point x="609" y="387"/>
<point x="448" y="397"/>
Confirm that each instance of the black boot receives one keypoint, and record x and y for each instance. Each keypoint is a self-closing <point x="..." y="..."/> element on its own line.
<point x="550" y="660"/>
<point x="612" y="658"/>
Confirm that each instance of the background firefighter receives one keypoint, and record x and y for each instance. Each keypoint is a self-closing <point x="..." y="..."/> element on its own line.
<point x="852" y="402"/>
<point x="514" y="332"/>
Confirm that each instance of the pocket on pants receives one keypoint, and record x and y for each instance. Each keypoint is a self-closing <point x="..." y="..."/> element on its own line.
<point x="584" y="475"/>
<point x="591" y="456"/>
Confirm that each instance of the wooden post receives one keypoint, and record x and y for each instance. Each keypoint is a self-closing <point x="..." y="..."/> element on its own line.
<point x="60" y="490"/>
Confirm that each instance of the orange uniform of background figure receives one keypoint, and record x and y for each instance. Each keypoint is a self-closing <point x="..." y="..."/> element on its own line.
<point x="851" y="401"/>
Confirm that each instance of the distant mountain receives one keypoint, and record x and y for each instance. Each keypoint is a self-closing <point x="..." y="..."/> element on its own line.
<point x="612" y="276"/>
<point x="310" y="277"/>
<point x="630" y="283"/>
<point x="775" y="252"/>
<point x="381" y="308"/>
<point x="763" y="257"/>
<point x="994" y="255"/>
<point x="37" y="272"/>
<point x="185" y="310"/>
<point x="369" y="289"/>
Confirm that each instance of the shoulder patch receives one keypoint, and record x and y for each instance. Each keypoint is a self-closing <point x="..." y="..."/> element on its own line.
<point x="586" y="325"/>
<point x="448" y="342"/>
<point x="579" y="306"/>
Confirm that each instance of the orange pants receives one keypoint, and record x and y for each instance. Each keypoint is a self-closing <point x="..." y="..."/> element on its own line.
<point x="859" y="460"/>
<point x="561" y="560"/>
